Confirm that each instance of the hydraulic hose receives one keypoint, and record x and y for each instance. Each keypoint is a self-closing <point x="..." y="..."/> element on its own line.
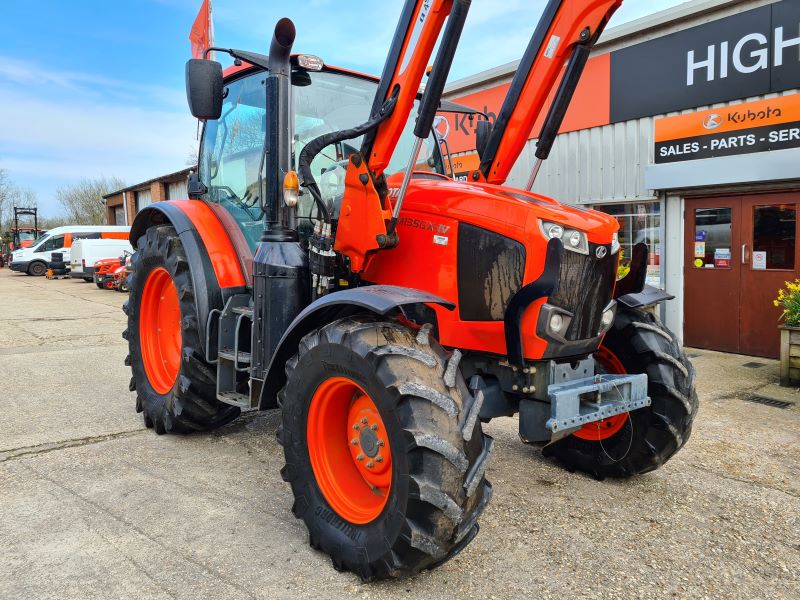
<point x="315" y="146"/>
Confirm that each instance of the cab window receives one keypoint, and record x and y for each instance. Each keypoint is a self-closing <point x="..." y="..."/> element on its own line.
<point x="230" y="158"/>
<point x="55" y="243"/>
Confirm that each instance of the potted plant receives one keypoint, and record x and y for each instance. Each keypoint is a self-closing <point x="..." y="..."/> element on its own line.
<point x="789" y="299"/>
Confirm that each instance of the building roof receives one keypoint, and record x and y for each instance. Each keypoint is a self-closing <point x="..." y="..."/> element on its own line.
<point x="169" y="177"/>
<point x="661" y="23"/>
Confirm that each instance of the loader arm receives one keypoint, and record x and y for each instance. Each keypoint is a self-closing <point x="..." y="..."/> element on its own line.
<point x="367" y="220"/>
<point x="565" y="34"/>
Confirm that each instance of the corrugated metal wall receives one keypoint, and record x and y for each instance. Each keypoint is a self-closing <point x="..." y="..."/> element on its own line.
<point x="603" y="164"/>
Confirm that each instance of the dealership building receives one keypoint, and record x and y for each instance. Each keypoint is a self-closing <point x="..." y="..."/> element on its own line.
<point x="686" y="128"/>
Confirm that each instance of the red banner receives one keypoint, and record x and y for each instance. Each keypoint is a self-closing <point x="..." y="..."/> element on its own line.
<point x="200" y="35"/>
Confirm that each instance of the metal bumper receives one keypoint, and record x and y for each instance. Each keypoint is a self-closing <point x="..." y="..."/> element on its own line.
<point x="579" y="397"/>
<point x="20" y="267"/>
<point x="576" y="403"/>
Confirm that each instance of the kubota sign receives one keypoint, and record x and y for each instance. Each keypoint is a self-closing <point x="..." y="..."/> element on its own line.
<point x="753" y="127"/>
<point x="749" y="54"/>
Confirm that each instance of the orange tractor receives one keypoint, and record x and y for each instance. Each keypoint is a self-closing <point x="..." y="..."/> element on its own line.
<point x="327" y="266"/>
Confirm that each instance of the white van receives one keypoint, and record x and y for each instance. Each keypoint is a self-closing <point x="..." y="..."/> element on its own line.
<point x="33" y="260"/>
<point x="85" y="253"/>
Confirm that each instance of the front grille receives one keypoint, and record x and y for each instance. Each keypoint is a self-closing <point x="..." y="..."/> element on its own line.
<point x="490" y="268"/>
<point x="585" y="287"/>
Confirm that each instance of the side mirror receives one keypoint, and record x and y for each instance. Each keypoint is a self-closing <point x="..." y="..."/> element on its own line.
<point x="484" y="129"/>
<point x="204" y="88"/>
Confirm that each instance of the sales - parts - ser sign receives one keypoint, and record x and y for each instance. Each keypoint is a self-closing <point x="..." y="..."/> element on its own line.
<point x="759" y="126"/>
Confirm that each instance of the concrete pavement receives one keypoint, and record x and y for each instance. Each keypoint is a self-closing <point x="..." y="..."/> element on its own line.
<point x="92" y="504"/>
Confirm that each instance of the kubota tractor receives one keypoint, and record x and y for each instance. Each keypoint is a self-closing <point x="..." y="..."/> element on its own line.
<point x="326" y="266"/>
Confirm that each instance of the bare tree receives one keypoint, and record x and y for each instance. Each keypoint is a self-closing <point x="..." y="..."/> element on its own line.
<point x="83" y="202"/>
<point x="12" y="195"/>
<point x="6" y="201"/>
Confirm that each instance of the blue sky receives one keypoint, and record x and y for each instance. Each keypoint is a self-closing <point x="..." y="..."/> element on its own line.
<point x="95" y="87"/>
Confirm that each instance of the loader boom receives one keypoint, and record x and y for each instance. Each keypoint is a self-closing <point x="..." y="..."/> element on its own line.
<point x="567" y="28"/>
<point x="415" y="37"/>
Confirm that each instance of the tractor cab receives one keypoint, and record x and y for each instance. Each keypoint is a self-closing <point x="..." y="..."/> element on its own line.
<point x="231" y="166"/>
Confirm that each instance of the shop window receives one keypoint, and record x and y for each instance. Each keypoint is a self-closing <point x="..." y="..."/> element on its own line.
<point x="639" y="222"/>
<point x="712" y="238"/>
<point x="774" y="236"/>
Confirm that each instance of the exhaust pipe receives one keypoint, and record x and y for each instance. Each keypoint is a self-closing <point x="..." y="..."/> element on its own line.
<point x="280" y="49"/>
<point x="280" y="219"/>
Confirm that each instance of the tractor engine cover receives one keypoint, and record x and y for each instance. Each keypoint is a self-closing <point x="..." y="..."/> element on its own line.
<point x="479" y="246"/>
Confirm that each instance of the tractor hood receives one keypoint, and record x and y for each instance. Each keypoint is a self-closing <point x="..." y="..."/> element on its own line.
<point x="510" y="211"/>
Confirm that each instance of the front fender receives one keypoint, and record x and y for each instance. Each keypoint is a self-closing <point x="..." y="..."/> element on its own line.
<point x="378" y="299"/>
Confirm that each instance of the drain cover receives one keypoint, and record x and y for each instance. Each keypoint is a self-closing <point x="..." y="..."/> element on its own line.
<point x="754" y="365"/>
<point x="769" y="401"/>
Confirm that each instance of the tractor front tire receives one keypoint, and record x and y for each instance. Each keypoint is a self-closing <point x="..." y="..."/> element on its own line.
<point x="175" y="388"/>
<point x="646" y="438"/>
<point x="384" y="451"/>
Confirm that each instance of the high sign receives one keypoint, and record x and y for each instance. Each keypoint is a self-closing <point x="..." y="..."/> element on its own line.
<point x="748" y="54"/>
<point x="740" y="129"/>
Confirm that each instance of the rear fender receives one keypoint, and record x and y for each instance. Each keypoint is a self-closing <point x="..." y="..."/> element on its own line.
<point x="378" y="299"/>
<point x="213" y="263"/>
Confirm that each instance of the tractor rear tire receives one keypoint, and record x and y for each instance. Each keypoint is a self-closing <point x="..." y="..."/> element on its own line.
<point x="650" y="436"/>
<point x="179" y="396"/>
<point x="396" y="486"/>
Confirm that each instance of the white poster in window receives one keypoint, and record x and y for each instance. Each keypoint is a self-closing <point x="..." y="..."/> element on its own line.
<point x="760" y="260"/>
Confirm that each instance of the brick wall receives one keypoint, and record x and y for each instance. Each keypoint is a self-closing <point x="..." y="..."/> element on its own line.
<point x="111" y="203"/>
<point x="158" y="193"/>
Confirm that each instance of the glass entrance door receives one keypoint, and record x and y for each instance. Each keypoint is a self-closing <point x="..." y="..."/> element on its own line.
<point x="711" y="276"/>
<point x="738" y="251"/>
<point x="769" y="258"/>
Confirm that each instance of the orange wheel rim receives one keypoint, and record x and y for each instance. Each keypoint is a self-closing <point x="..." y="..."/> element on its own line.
<point x="605" y="428"/>
<point x="349" y="450"/>
<point x="160" y="330"/>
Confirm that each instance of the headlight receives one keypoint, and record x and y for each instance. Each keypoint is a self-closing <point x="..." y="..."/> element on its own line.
<point x="574" y="240"/>
<point x="556" y="323"/>
<point x="607" y="320"/>
<point x="615" y="243"/>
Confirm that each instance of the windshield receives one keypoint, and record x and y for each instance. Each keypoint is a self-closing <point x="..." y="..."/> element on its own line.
<point x="334" y="102"/>
<point x="41" y="241"/>
<point x="231" y="151"/>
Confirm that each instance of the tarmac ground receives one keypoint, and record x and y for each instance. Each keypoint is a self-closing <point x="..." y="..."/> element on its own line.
<point x="94" y="505"/>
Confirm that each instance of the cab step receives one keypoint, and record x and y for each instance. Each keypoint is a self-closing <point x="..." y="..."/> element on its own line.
<point x="235" y="399"/>
<point x="232" y="327"/>
<point x="240" y="358"/>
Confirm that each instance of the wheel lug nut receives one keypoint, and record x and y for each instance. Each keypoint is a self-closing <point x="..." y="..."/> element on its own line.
<point x="354" y="441"/>
<point x="374" y="427"/>
<point x="370" y="464"/>
<point x="355" y="426"/>
<point x="364" y="420"/>
<point x="379" y="458"/>
<point x="381" y="443"/>
<point x="360" y="457"/>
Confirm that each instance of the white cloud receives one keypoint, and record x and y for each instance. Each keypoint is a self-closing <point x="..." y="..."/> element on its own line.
<point x="61" y="126"/>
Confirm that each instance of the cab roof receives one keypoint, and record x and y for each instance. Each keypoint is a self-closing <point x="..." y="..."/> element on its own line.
<point x="245" y="66"/>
